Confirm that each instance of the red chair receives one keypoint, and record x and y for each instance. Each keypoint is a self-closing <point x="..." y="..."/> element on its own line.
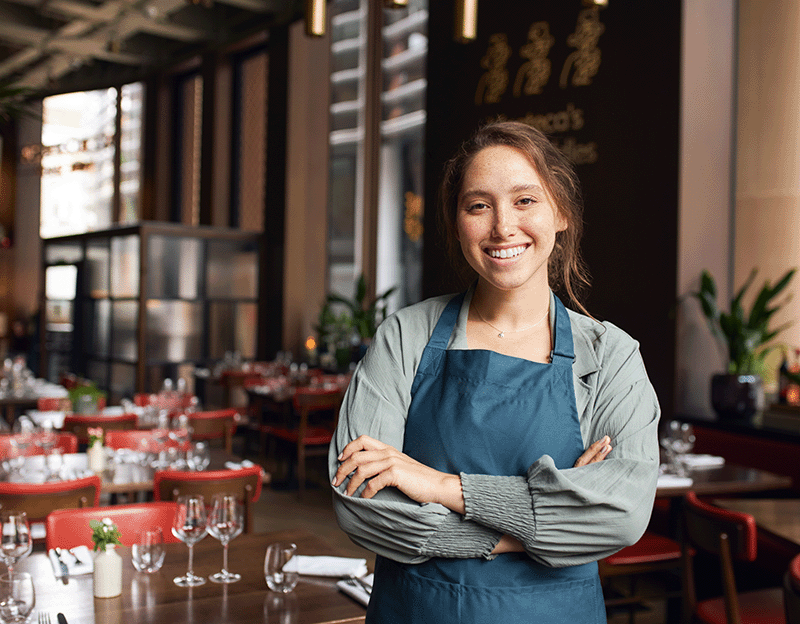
<point x="79" y="424"/>
<point x="311" y="437"/>
<point x="731" y="536"/>
<point x="791" y="591"/>
<point x="67" y="528"/>
<point x="132" y="439"/>
<point x="245" y="483"/>
<point x="53" y="404"/>
<point x="653" y="553"/>
<point x="39" y="499"/>
<point x="65" y="442"/>
<point x="214" y="425"/>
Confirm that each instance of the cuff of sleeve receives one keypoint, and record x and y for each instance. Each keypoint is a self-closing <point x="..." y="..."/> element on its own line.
<point x="502" y="503"/>
<point x="458" y="538"/>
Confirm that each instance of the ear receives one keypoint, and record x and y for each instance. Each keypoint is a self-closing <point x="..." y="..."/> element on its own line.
<point x="561" y="221"/>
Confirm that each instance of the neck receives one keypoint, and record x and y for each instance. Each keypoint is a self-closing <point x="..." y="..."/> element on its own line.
<point x="511" y="308"/>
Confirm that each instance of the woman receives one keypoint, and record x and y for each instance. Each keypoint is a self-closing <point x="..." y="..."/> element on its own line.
<point x="460" y="456"/>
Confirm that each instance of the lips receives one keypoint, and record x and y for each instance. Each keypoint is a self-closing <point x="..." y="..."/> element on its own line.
<point x="508" y="252"/>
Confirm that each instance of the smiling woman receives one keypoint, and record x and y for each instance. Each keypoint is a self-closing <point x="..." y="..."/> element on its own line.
<point x="474" y="447"/>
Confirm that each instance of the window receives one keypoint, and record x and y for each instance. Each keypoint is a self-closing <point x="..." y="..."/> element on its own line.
<point x="400" y="125"/>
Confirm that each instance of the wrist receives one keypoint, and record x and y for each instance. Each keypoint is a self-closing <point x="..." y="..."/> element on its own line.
<point x="451" y="494"/>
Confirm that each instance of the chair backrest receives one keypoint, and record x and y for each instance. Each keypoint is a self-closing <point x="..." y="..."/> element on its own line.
<point x="791" y="591"/>
<point x="215" y="424"/>
<point x="245" y="483"/>
<point x="729" y="535"/>
<point x="307" y="401"/>
<point x="53" y="404"/>
<point x="65" y="442"/>
<point x="67" y="528"/>
<point x="79" y="424"/>
<point x="39" y="499"/>
<point x="132" y="438"/>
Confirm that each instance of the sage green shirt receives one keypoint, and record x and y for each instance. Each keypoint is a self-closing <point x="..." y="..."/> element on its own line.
<point x="563" y="517"/>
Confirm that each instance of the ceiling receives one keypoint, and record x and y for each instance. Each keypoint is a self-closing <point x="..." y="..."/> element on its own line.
<point x="55" y="46"/>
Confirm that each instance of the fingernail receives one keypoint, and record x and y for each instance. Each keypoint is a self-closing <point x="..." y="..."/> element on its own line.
<point x="607" y="439"/>
<point x="340" y="456"/>
<point x="335" y="482"/>
<point x="607" y="449"/>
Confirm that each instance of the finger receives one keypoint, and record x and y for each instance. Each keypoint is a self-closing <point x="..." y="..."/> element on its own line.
<point x="600" y="455"/>
<point x="591" y="454"/>
<point x="358" y="459"/>
<point x="361" y="443"/>
<point x="367" y="471"/>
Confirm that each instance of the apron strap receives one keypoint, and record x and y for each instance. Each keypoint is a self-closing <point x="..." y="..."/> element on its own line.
<point x="447" y="321"/>
<point x="563" y="353"/>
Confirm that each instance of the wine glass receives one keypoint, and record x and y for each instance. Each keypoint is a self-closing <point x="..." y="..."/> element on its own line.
<point x="15" y="542"/>
<point x="224" y="523"/>
<point x="17" y="597"/>
<point x="46" y="437"/>
<point x="198" y="456"/>
<point x="189" y="526"/>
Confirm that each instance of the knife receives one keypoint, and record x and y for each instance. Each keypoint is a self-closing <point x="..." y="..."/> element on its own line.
<point x="64" y="568"/>
<point x="61" y="618"/>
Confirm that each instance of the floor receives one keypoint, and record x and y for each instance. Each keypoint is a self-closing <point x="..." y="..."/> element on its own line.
<point x="281" y="509"/>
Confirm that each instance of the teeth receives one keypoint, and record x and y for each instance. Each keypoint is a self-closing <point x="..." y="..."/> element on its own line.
<point x="506" y="253"/>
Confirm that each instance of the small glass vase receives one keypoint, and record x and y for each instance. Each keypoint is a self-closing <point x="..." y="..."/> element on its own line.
<point x="97" y="457"/>
<point x="107" y="573"/>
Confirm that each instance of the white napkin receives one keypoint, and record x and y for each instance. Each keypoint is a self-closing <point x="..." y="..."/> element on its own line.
<point x="246" y="463"/>
<point x="355" y="590"/>
<point x="329" y="566"/>
<point x="86" y="566"/>
<point x="695" y="461"/>
<point x="668" y="481"/>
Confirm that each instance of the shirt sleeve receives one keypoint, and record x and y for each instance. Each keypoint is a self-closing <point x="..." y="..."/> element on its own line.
<point x="577" y="515"/>
<point x="376" y="404"/>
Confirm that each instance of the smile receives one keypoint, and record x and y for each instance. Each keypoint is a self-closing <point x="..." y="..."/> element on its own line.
<point x="511" y="252"/>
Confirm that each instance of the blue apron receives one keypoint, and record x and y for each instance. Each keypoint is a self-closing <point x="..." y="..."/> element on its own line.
<point x="481" y="412"/>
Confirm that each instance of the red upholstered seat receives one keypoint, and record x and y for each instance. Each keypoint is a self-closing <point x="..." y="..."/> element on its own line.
<point x="67" y="528"/>
<point x="791" y="591"/>
<point x="730" y="536"/>
<point x="79" y="424"/>
<point x="65" y="442"/>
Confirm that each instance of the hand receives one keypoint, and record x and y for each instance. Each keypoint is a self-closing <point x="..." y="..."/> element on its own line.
<point x="381" y="465"/>
<point x="597" y="452"/>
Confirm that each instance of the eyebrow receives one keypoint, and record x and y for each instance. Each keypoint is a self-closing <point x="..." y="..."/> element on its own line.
<point x="531" y="188"/>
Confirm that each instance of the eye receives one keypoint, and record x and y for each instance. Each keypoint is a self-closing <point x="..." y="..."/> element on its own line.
<point x="476" y="207"/>
<point x="527" y="201"/>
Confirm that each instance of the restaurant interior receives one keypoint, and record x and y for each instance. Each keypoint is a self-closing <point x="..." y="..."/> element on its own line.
<point x="208" y="206"/>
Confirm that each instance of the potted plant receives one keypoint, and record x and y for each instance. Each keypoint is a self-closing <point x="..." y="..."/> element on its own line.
<point x="355" y="325"/>
<point x="86" y="398"/>
<point x="739" y="392"/>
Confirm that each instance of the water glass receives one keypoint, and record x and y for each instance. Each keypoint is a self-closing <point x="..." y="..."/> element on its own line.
<point x="280" y="570"/>
<point x="147" y="552"/>
<point x="198" y="456"/>
<point x="17" y="597"/>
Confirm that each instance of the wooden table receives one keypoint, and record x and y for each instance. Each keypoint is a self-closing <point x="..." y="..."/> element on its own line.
<point x="728" y="479"/>
<point x="780" y="517"/>
<point x="125" y="478"/>
<point x="155" y="598"/>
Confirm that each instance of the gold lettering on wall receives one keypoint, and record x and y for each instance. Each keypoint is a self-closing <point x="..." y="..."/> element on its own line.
<point x="586" y="58"/>
<point x="494" y="81"/>
<point x="412" y="223"/>
<point x="535" y="73"/>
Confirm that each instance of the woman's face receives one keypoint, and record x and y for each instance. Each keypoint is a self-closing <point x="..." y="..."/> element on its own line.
<point x="506" y="221"/>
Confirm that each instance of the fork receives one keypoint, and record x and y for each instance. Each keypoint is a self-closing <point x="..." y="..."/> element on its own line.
<point x="44" y="618"/>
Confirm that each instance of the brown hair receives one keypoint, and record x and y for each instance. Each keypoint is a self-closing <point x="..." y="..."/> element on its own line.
<point x="566" y="270"/>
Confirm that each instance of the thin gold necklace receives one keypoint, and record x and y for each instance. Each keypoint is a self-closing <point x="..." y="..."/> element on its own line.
<point x="515" y="331"/>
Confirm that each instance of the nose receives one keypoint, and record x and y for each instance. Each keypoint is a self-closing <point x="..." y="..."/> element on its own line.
<point x="504" y="226"/>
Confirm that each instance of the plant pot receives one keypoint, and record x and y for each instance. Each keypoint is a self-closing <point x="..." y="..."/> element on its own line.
<point x="107" y="575"/>
<point x="737" y="396"/>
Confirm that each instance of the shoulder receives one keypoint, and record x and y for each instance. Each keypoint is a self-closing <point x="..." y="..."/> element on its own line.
<point x="603" y="346"/>
<point x="415" y="321"/>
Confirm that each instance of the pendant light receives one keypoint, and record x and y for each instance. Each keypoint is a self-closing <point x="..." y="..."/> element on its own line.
<point x="466" y="20"/>
<point x="315" y="18"/>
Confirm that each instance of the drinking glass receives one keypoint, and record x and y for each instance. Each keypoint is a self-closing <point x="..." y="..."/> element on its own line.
<point x="279" y="569"/>
<point x="17" y="597"/>
<point x="199" y="456"/>
<point x="224" y="523"/>
<point x="46" y="437"/>
<point x="147" y="553"/>
<point x="15" y="542"/>
<point x="189" y="526"/>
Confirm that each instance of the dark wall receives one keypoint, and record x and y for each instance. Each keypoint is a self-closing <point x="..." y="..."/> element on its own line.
<point x="611" y="101"/>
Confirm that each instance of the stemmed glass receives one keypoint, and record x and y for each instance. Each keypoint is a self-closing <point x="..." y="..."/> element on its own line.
<point x="224" y="523"/>
<point x="46" y="437"/>
<point x="23" y="431"/>
<point x="677" y="442"/>
<point x="189" y="526"/>
<point x="15" y="542"/>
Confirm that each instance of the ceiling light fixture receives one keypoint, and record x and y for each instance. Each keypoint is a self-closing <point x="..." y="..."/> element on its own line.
<point x="466" y="20"/>
<point x="315" y="18"/>
<point x="395" y="4"/>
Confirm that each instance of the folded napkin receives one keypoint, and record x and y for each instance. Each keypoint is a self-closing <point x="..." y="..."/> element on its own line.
<point x="246" y="463"/>
<point x="328" y="566"/>
<point x="355" y="589"/>
<point x="86" y="566"/>
<point x="673" y="481"/>
<point x="695" y="461"/>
